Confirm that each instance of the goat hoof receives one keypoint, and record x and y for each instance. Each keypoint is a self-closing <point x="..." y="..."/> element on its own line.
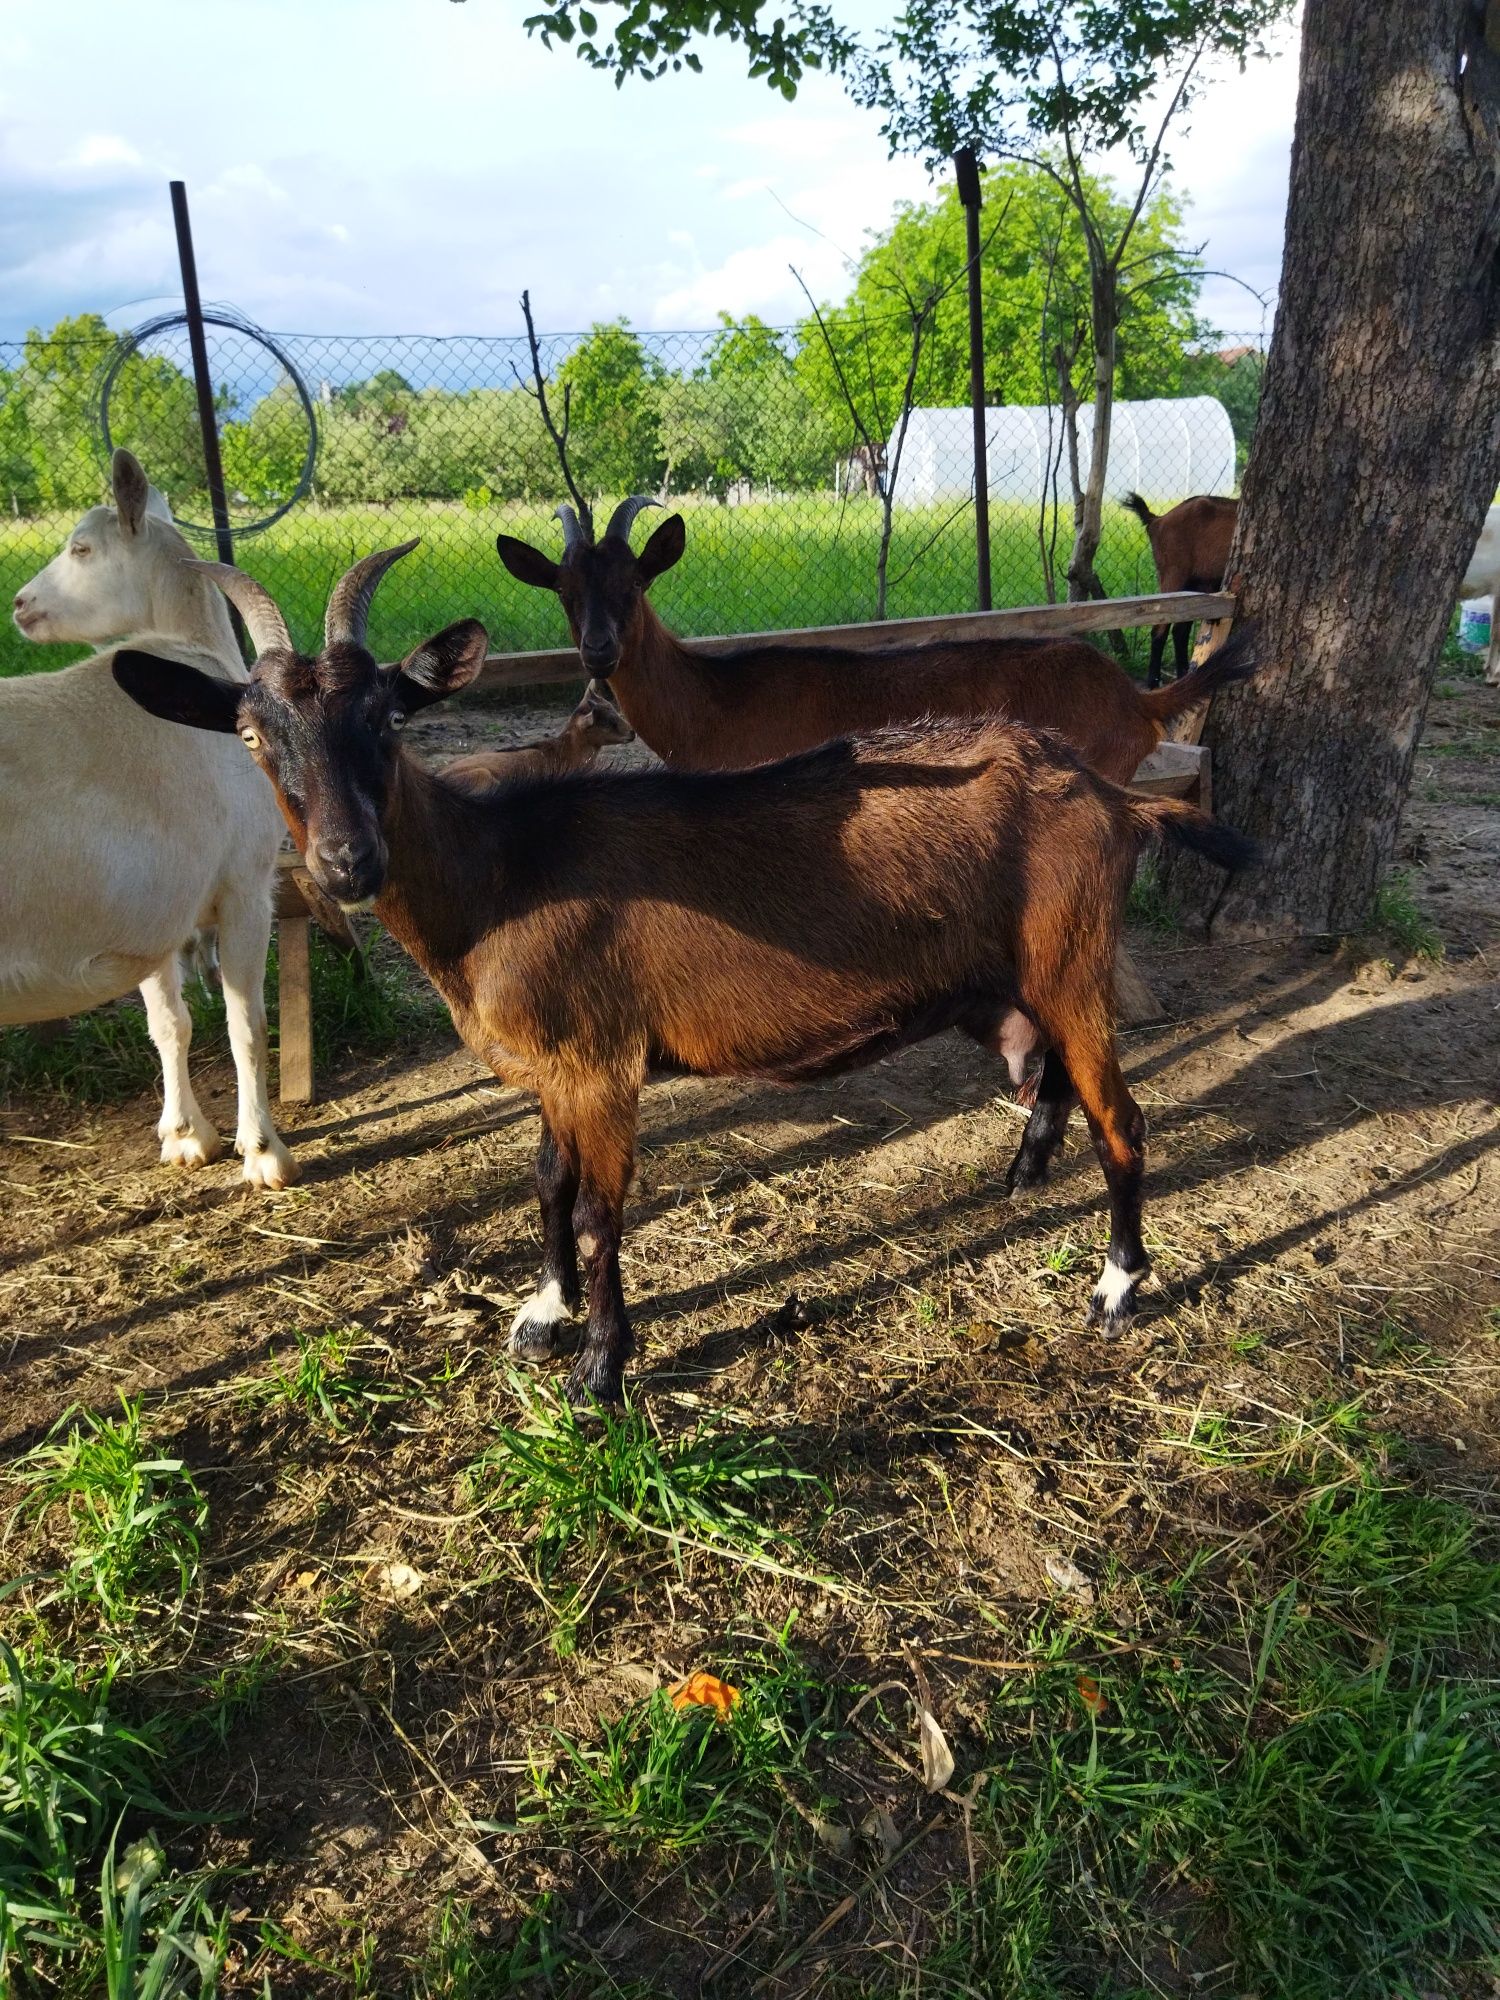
<point x="1112" y="1306"/>
<point x="1024" y="1174"/>
<point x="594" y="1385"/>
<point x="189" y="1145"/>
<point x="543" y="1328"/>
<point x="269" y="1166"/>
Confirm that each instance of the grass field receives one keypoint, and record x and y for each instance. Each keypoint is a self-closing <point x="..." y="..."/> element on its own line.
<point x="762" y="567"/>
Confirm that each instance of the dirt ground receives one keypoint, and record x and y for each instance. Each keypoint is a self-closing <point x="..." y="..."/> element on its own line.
<point x="1324" y="1167"/>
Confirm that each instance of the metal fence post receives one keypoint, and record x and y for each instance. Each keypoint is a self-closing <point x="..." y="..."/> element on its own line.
<point x="203" y="382"/>
<point x="967" y="167"/>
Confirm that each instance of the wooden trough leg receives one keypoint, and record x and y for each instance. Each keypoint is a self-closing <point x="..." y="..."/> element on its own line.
<point x="294" y="957"/>
<point x="1135" y="1003"/>
<point x="294" y="1067"/>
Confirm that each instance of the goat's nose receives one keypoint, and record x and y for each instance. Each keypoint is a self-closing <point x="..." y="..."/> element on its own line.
<point x="18" y="602"/>
<point x="354" y="863"/>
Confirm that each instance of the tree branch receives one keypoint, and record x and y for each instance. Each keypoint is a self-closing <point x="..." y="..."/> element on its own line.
<point x="559" y="437"/>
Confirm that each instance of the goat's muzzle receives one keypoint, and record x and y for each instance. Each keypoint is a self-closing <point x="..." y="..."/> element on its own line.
<point x="351" y="871"/>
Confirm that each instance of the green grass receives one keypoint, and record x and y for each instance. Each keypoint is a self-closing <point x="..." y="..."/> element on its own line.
<point x="1396" y="919"/>
<point x="802" y="560"/>
<point x="1285" y="1791"/>
<point x="574" y="1483"/>
<point x="669" y="1781"/>
<point x="129" y="1523"/>
<point x="360" y="1007"/>
<point x="325" y="1379"/>
<point x="73" y="1920"/>
<point x="1148" y="903"/>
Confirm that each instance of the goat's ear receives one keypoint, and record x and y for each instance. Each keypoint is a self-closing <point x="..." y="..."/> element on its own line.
<point x="443" y="664"/>
<point x="664" y="548"/>
<point x="132" y="489"/>
<point x="177" y="692"/>
<point x="526" y="564"/>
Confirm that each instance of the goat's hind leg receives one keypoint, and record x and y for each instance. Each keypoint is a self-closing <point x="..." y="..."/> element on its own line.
<point x="1118" y="1129"/>
<point x="1054" y="1101"/>
<point x="187" y="1138"/>
<point x="244" y="939"/>
<point x="542" y="1328"/>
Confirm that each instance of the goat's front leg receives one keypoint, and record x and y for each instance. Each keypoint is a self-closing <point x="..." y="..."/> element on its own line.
<point x="1492" y="658"/>
<point x="244" y="938"/>
<point x="187" y="1138"/>
<point x="537" y="1331"/>
<point x="1118" y="1129"/>
<point x="606" y="1153"/>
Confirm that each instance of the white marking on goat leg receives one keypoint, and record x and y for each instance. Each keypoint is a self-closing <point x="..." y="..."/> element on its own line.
<point x="1113" y="1291"/>
<point x="545" y="1309"/>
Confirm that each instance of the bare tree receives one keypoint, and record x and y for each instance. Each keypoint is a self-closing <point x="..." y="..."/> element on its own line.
<point x="559" y="437"/>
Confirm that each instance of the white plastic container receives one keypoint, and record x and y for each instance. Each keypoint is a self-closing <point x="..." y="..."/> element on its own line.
<point x="1474" y="624"/>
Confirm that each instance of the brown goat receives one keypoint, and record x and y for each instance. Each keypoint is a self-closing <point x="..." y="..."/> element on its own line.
<point x="1190" y="547"/>
<point x="593" y="726"/>
<point x="731" y="710"/>
<point x="785" y="923"/>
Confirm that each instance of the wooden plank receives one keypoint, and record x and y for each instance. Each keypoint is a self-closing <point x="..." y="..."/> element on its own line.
<point x="1135" y="1003"/>
<point x="1172" y="771"/>
<point x="295" y="1065"/>
<point x="1188" y="727"/>
<point x="1038" y="621"/>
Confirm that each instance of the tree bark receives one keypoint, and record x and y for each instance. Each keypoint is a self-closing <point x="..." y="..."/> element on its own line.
<point x="1375" y="456"/>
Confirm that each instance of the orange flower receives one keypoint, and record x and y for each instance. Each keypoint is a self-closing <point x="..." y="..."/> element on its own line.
<point x="704" y="1691"/>
<point x="1089" y="1695"/>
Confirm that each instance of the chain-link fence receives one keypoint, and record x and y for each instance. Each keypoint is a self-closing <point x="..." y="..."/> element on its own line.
<point x="778" y="445"/>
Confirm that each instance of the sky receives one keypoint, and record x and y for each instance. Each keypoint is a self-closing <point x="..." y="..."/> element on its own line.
<point x="383" y="166"/>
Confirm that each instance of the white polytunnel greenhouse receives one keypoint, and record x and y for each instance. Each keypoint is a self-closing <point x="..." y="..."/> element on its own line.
<point x="1164" y="449"/>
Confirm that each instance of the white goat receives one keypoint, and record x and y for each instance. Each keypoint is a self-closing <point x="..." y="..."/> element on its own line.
<point x="1482" y="579"/>
<point x="119" y="839"/>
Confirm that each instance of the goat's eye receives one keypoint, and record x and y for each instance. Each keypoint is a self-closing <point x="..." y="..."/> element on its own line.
<point x="250" y="738"/>
<point x="80" y="549"/>
<point x="397" y="718"/>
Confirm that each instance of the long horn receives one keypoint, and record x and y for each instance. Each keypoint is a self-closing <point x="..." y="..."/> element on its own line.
<point x="254" y="603"/>
<point x="349" y="606"/>
<point x="573" y="532"/>
<point x="623" y="518"/>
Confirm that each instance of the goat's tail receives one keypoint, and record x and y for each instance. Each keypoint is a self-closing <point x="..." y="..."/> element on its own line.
<point x="1139" y="508"/>
<point x="1233" y="661"/>
<point x="1182" y="825"/>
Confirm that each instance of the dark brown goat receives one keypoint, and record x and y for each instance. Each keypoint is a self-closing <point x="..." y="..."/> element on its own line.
<point x="731" y="710"/>
<point x="593" y="726"/>
<point x="1190" y="547"/>
<point x="784" y="923"/>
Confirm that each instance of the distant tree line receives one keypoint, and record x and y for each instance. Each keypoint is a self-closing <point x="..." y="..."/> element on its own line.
<point x="757" y="406"/>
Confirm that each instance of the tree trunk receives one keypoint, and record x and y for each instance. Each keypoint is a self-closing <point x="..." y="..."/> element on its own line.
<point x="1088" y="520"/>
<point x="1374" y="459"/>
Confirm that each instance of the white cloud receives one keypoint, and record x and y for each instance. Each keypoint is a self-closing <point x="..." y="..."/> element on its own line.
<point x="105" y="149"/>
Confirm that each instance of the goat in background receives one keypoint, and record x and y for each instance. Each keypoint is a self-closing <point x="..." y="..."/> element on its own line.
<point x="782" y="923"/>
<point x="595" y="725"/>
<point x="767" y="699"/>
<point x="117" y="841"/>
<point x="1190" y="547"/>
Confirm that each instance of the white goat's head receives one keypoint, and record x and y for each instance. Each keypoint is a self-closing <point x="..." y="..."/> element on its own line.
<point x="107" y="579"/>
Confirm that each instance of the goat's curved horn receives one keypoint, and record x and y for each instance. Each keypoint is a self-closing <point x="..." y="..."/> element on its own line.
<point x="573" y="531"/>
<point x="349" y="606"/>
<point x="255" y="604"/>
<point x="623" y="518"/>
